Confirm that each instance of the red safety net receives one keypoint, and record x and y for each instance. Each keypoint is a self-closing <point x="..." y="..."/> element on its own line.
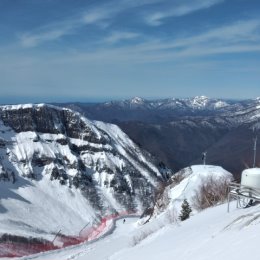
<point x="18" y="249"/>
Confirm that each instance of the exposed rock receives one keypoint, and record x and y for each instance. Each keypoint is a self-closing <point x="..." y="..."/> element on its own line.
<point x="95" y="158"/>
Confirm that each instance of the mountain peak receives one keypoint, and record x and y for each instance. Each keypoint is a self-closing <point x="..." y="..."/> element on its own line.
<point x="199" y="101"/>
<point x="137" y="100"/>
<point x="201" y="97"/>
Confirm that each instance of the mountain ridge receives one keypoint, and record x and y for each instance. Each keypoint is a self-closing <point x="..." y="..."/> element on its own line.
<point x="82" y="169"/>
<point x="164" y="127"/>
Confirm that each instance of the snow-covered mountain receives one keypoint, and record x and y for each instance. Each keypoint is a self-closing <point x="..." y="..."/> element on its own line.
<point x="209" y="234"/>
<point x="177" y="130"/>
<point x="248" y="114"/>
<point x="212" y="233"/>
<point x="196" y="103"/>
<point x="164" y="110"/>
<point x="188" y="184"/>
<point x="59" y="170"/>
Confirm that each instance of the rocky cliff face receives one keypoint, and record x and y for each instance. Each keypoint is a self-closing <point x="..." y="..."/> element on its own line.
<point x="46" y="144"/>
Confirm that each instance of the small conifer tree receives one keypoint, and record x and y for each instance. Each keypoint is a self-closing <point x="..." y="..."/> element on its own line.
<point x="185" y="210"/>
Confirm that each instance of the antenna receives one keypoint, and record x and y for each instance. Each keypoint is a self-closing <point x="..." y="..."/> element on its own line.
<point x="204" y="156"/>
<point x="255" y="142"/>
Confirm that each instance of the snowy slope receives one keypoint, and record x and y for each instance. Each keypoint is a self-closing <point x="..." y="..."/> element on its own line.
<point x="193" y="177"/>
<point x="212" y="234"/>
<point x="59" y="170"/>
<point x="98" y="250"/>
<point x="185" y="184"/>
<point x="41" y="208"/>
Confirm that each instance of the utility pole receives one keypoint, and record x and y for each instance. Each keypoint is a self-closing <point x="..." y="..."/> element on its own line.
<point x="255" y="142"/>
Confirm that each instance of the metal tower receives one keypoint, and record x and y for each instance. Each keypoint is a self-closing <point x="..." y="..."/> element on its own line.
<point x="255" y="143"/>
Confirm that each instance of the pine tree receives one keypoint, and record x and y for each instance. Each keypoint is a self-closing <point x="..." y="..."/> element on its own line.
<point x="185" y="210"/>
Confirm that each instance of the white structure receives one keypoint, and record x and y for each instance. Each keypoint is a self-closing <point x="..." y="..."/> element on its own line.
<point x="249" y="189"/>
<point x="251" y="178"/>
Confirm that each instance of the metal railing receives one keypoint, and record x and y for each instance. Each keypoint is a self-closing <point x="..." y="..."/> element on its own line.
<point x="243" y="194"/>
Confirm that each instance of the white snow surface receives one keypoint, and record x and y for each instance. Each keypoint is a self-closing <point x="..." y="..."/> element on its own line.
<point x="212" y="234"/>
<point x="29" y="105"/>
<point x="137" y="100"/>
<point x="191" y="179"/>
<point x="39" y="208"/>
<point x="123" y="141"/>
<point x="199" y="101"/>
<point x="220" y="104"/>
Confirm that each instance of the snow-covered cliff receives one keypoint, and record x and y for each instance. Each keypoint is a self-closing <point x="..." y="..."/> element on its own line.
<point x="59" y="170"/>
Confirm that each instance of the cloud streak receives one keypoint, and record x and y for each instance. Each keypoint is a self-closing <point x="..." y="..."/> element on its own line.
<point x="32" y="40"/>
<point x="98" y="16"/>
<point x="120" y="36"/>
<point x="177" y="10"/>
<point x="239" y="37"/>
<point x="68" y="26"/>
<point x="103" y="15"/>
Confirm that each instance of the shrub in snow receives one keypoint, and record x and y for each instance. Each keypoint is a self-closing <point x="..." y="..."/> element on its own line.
<point x="141" y="236"/>
<point x="171" y="216"/>
<point x="180" y="176"/>
<point x="211" y="192"/>
<point x="161" y="199"/>
<point x="146" y="231"/>
<point x="185" y="210"/>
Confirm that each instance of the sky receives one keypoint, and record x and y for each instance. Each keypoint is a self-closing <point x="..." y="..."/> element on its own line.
<point x="97" y="50"/>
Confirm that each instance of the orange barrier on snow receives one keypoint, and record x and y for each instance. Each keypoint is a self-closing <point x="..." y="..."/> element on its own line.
<point x="18" y="249"/>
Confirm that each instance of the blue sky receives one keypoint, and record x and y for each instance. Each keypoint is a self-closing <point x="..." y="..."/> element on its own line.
<point x="87" y="50"/>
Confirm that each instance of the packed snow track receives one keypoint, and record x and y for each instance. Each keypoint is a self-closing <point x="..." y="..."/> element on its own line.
<point x="116" y="238"/>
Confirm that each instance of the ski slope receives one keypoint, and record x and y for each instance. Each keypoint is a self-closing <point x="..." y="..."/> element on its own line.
<point x="115" y="239"/>
<point x="212" y="234"/>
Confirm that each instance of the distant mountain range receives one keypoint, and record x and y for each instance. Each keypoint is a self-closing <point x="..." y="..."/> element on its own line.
<point x="178" y="130"/>
<point x="156" y="111"/>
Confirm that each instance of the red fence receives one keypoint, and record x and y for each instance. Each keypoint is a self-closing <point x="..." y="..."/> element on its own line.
<point x="18" y="249"/>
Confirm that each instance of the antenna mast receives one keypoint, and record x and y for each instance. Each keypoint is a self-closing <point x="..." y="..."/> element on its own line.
<point x="255" y="142"/>
<point x="204" y="155"/>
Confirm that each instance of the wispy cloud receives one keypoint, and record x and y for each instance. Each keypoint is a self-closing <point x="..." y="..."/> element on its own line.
<point x="57" y="30"/>
<point x="34" y="39"/>
<point x="95" y="16"/>
<point x="99" y="15"/>
<point x="119" y="36"/>
<point x="240" y="37"/>
<point x="239" y="32"/>
<point x="50" y="32"/>
<point x="179" y="9"/>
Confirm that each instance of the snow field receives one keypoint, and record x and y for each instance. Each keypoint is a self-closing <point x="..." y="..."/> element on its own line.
<point x="203" y="236"/>
<point x="211" y="234"/>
